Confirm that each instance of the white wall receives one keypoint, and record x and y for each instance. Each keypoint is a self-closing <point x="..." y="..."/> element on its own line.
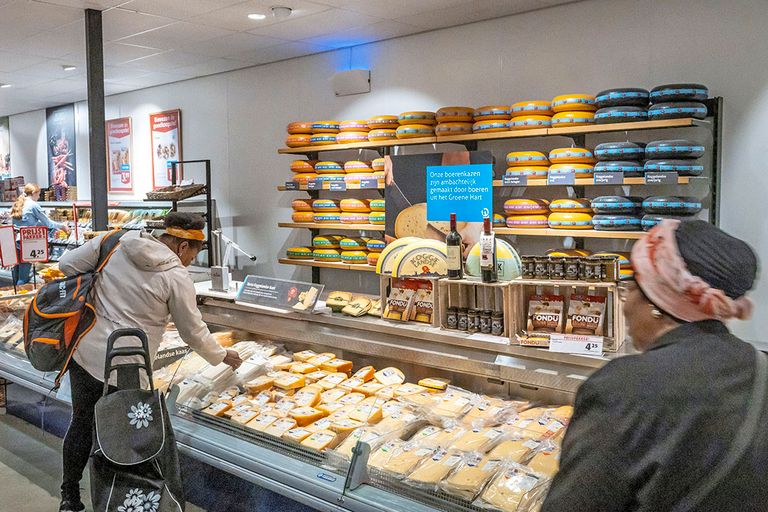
<point x="237" y="119"/>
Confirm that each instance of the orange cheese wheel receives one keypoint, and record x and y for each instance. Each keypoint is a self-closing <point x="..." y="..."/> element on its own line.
<point x="417" y="117"/>
<point x="580" y="170"/>
<point x="374" y="245"/>
<point x="573" y="103"/>
<point x="328" y="167"/>
<point x="377" y="205"/>
<point x="533" y="172"/>
<point x="303" y="217"/>
<point x="355" y="205"/>
<point x="380" y="175"/>
<point x="383" y="122"/>
<point x="325" y="205"/>
<point x="414" y="131"/>
<point x="571" y="205"/>
<point x="327" y="218"/>
<point x="379" y="134"/>
<point x="326" y="255"/>
<point x="530" y="122"/>
<point x="354" y="257"/>
<point x="532" y="108"/>
<point x="351" y="137"/>
<point x="489" y="126"/>
<point x="323" y="139"/>
<point x="570" y="221"/>
<point x="299" y="127"/>
<point x="523" y="158"/>
<point x="491" y="112"/>
<point x="302" y="205"/>
<point x="455" y="115"/>
<point x="326" y="179"/>
<point x="325" y="127"/>
<point x="526" y="206"/>
<point x="296" y="141"/>
<point x="303" y="166"/>
<point x="453" y="128"/>
<point x="376" y="218"/>
<point x="373" y="258"/>
<point x="354" y="178"/>
<point x="527" y="221"/>
<point x="357" y="166"/>
<point x="378" y="164"/>
<point x="571" y="156"/>
<point x="304" y="177"/>
<point x="299" y="253"/>
<point x="354" y="125"/>
<point x="573" y="118"/>
<point x="353" y="218"/>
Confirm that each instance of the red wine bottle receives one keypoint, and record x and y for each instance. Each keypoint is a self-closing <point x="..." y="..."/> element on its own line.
<point x="454" y="249"/>
<point x="488" y="266"/>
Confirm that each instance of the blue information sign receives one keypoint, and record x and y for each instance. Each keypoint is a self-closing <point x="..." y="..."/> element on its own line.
<point x="466" y="190"/>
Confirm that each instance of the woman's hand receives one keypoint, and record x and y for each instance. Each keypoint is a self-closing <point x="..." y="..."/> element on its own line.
<point x="233" y="359"/>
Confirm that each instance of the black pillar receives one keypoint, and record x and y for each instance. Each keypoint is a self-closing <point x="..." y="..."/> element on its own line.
<point x="94" y="53"/>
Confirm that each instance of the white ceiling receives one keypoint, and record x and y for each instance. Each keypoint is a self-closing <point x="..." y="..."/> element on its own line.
<point x="153" y="42"/>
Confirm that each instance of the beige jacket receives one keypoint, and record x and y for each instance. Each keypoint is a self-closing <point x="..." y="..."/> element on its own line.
<point x="143" y="285"/>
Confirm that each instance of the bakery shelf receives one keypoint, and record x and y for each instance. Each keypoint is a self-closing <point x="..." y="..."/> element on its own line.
<point x="586" y="182"/>
<point x="358" y="145"/>
<point x="303" y="188"/>
<point x="327" y="264"/>
<point x="342" y="227"/>
<point x="576" y="233"/>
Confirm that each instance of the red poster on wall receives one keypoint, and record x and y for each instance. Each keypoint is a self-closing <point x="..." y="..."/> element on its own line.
<point x="119" y="168"/>
<point x="165" y="129"/>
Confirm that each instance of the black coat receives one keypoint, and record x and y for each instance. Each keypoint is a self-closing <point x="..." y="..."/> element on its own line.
<point x="647" y="427"/>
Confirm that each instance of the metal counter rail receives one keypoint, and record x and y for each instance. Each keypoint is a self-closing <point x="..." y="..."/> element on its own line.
<point x="18" y="370"/>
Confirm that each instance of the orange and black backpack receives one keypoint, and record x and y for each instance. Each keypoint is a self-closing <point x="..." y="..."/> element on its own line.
<point x="61" y="313"/>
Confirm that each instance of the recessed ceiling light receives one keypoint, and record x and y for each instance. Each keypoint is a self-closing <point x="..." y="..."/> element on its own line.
<point x="5" y="86"/>
<point x="257" y="16"/>
<point x="280" y="12"/>
<point x="68" y="67"/>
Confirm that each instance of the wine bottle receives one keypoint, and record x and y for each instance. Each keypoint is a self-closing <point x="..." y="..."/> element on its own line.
<point x="488" y="266"/>
<point x="454" y="249"/>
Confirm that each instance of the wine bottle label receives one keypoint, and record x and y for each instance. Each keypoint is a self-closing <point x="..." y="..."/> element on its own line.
<point x="486" y="251"/>
<point x="454" y="257"/>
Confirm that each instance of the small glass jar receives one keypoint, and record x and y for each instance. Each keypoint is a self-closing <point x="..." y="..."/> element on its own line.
<point x="556" y="268"/>
<point x="542" y="268"/>
<point x="463" y="323"/>
<point x="485" y="321"/>
<point x="594" y="269"/>
<point x="452" y="320"/>
<point x="473" y="320"/>
<point x="571" y="268"/>
<point x="529" y="267"/>
<point x="497" y="323"/>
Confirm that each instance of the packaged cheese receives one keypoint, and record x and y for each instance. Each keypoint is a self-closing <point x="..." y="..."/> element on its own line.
<point x="399" y="304"/>
<point x="337" y="366"/>
<point x="315" y="376"/>
<point x="352" y="399"/>
<point x="279" y="362"/>
<point x="514" y="450"/>
<point x="279" y="427"/>
<point x="321" y="424"/>
<point x="304" y="355"/>
<point x="434" y="436"/>
<point x="341" y="413"/>
<point x="512" y="488"/>
<point x="306" y="415"/>
<point x="393" y="407"/>
<point x="290" y="381"/>
<point x="242" y="414"/>
<point x="586" y="315"/>
<point x="284" y="406"/>
<point x="350" y="384"/>
<point x="259" y="384"/>
<point x="387" y="392"/>
<point x="302" y="368"/>
<point x="471" y="475"/>
<point x="435" y="383"/>
<point x="320" y="359"/>
<point x="331" y="395"/>
<point x="405" y="458"/>
<point x="408" y="389"/>
<point x="278" y="394"/>
<point x="368" y="411"/>
<point x="488" y="411"/>
<point x="346" y="425"/>
<point x="330" y="407"/>
<point x="262" y="421"/>
<point x="219" y="408"/>
<point x="478" y="439"/>
<point x="389" y="376"/>
<point x="308" y="396"/>
<point x="361" y="434"/>
<point x="435" y="468"/>
<point x="397" y="422"/>
<point x="545" y="313"/>
<point x="379" y="458"/>
<point x="321" y="440"/>
<point x="332" y="380"/>
<point x="297" y="435"/>
<point x="365" y="373"/>
<point x="547" y="459"/>
<point x="369" y="388"/>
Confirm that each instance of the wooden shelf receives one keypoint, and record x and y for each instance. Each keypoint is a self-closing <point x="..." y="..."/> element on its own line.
<point x="328" y="264"/>
<point x="625" y="127"/>
<point x="586" y="182"/>
<point x="576" y="233"/>
<point x="565" y="282"/>
<point x="304" y="188"/>
<point x="357" y="145"/>
<point x="321" y="225"/>
<point x="509" y="134"/>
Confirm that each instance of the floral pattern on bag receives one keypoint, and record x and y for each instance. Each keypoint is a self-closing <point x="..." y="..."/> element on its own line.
<point x="137" y="501"/>
<point x="140" y="415"/>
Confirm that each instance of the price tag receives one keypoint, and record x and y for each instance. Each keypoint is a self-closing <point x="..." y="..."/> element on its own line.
<point x="34" y="244"/>
<point x="337" y="186"/>
<point x="609" y="178"/>
<point x="566" y="178"/>
<point x="574" y="344"/>
<point x="314" y="185"/>
<point x="291" y="185"/>
<point x="371" y="182"/>
<point x="8" y="252"/>
<point x="661" y="178"/>
<point x="514" y="180"/>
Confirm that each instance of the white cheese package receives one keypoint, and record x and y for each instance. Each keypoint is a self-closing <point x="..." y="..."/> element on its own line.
<point x="514" y="489"/>
<point x="471" y="475"/>
<point x="430" y="471"/>
<point x="254" y="366"/>
<point x="405" y="458"/>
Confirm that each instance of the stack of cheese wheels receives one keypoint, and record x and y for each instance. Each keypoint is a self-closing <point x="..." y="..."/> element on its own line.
<point x="415" y="124"/>
<point x="616" y="213"/>
<point x="303" y="210"/>
<point x="658" y="208"/>
<point x="324" y="133"/>
<point x="625" y="157"/>
<point x="378" y="170"/>
<point x="532" y="164"/>
<point x="621" y="105"/>
<point x="299" y="134"/>
<point x="499" y="220"/>
<point x="454" y="121"/>
<point x="354" y="211"/>
<point x="329" y="172"/>
<point x="573" y="110"/>
<point x="374" y="246"/>
<point x="526" y="213"/>
<point x="382" y="128"/>
<point x="354" y="251"/>
<point x="527" y="115"/>
<point x="570" y="214"/>
<point x="353" y="131"/>
<point x="672" y="101"/>
<point x="578" y="161"/>
<point x="491" y="118"/>
<point x="676" y="155"/>
<point x="327" y="211"/>
<point x="355" y="171"/>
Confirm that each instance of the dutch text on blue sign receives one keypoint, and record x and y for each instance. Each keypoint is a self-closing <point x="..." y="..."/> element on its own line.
<point x="466" y="190"/>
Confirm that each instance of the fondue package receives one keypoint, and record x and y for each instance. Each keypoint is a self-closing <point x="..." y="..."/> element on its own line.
<point x="399" y="304"/>
<point x="586" y="315"/>
<point x="545" y="313"/>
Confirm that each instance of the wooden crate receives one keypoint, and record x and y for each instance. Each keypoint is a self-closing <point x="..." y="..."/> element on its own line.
<point x="385" y="285"/>
<point x="471" y="292"/>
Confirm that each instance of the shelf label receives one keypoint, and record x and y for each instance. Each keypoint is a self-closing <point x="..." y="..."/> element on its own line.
<point x="514" y="180"/>
<point x="371" y="182"/>
<point x="566" y="178"/>
<point x="337" y="186"/>
<point x="34" y="244"/>
<point x="279" y="293"/>
<point x="661" y="178"/>
<point x="574" y="344"/>
<point x="609" y="178"/>
<point x="314" y="185"/>
<point x="291" y="185"/>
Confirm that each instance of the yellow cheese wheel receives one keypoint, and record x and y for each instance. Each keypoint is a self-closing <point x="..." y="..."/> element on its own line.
<point x="530" y="122"/>
<point x="382" y="122"/>
<point x="489" y="126"/>
<point x="524" y="158"/>
<point x="302" y="205"/>
<point x="382" y="134"/>
<point x="573" y="103"/>
<point x="534" y="172"/>
<point x="325" y="205"/>
<point x="357" y="166"/>
<point x="328" y="167"/>
<point x="499" y="220"/>
<point x="420" y="117"/>
<point x="491" y="112"/>
<point x="351" y="137"/>
<point x="326" y="255"/>
<point x="573" y="118"/>
<point x="304" y="177"/>
<point x="327" y="218"/>
<point x="526" y="206"/>
<point x="355" y="205"/>
<point x="354" y="257"/>
<point x="414" y="131"/>
<point x="325" y="139"/>
<point x="324" y="242"/>
<point x="374" y="245"/>
<point x="373" y="258"/>
<point x="352" y="244"/>
<point x="354" y="125"/>
<point x="299" y="140"/>
<point x="580" y="170"/>
<point x="377" y="205"/>
<point x="571" y="205"/>
<point x="571" y="156"/>
<point x="299" y="127"/>
<point x="570" y="221"/>
<point x="453" y="128"/>
<point x="299" y="253"/>
<point x="378" y="164"/>
<point x="303" y="217"/>
<point x="564" y="253"/>
<point x="532" y="108"/>
<point x="377" y="218"/>
<point x="455" y="115"/>
<point x="354" y="218"/>
<point x="381" y="176"/>
<point x="354" y="179"/>
<point x="325" y="127"/>
<point x="526" y="221"/>
<point x="306" y="166"/>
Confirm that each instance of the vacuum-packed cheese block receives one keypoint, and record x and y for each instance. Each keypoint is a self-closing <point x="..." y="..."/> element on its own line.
<point x="478" y="439"/>
<point x="306" y="415"/>
<point x="332" y="380"/>
<point x="245" y="413"/>
<point x="262" y="421"/>
<point x="321" y="440"/>
<point x="291" y="381"/>
<point x="435" y="468"/>
<point x="368" y="411"/>
<point x="390" y="375"/>
<point x="409" y="389"/>
<point x="280" y="427"/>
<point x="545" y="462"/>
<point x="515" y="450"/>
<point x="487" y="411"/>
<point x="387" y="392"/>
<point x="434" y="436"/>
<point x="380" y="457"/>
<point x="471" y="475"/>
<point x="219" y="408"/>
<point x="346" y="425"/>
<point x="395" y="422"/>
<point x="405" y="458"/>
<point x="297" y="435"/>
<point x="510" y="488"/>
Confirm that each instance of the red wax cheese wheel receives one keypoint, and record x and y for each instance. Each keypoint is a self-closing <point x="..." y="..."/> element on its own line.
<point x="354" y="125"/>
<point x="491" y="112"/>
<point x="324" y="139"/>
<point x="296" y="141"/>
<point x="378" y="164"/>
<point x="379" y="134"/>
<point x="455" y="114"/>
<point x="417" y="117"/>
<point x="526" y="206"/>
<point x="303" y="166"/>
<point x="383" y="122"/>
<point x="443" y="129"/>
<point x="571" y="156"/>
<point x="414" y="131"/>
<point x="325" y="127"/>
<point x="355" y="205"/>
<point x="303" y="217"/>
<point x="532" y="108"/>
<point x="527" y="221"/>
<point x="357" y="166"/>
<point x="351" y="137"/>
<point x="302" y="205"/>
<point x="299" y="127"/>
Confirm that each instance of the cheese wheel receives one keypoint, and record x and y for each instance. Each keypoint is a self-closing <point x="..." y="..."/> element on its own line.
<point x="490" y="126"/>
<point x="325" y="127"/>
<point x="570" y="221"/>
<point x="355" y="205"/>
<point x="499" y="220"/>
<point x="357" y="166"/>
<point x="454" y="128"/>
<point x="322" y="140"/>
<point x="607" y="222"/>
<point x="354" y="257"/>
<point x="526" y="206"/>
<point x="677" y="110"/>
<point x="573" y="103"/>
<point x="351" y="137"/>
<point x="303" y="217"/>
<point x="679" y="92"/>
<point x="302" y="205"/>
<point x="564" y="253"/>
<point x="616" y="204"/>
<point x="610" y="115"/>
<point x="532" y="171"/>
<point x="299" y="127"/>
<point x="299" y="253"/>
<point x="352" y="244"/>
<point x="385" y="122"/>
<point x="377" y="205"/>
<point x="532" y="108"/>
<point x="306" y="166"/>
<point x="376" y="218"/>
<point x="304" y="177"/>
<point x="530" y="122"/>
<point x="672" y="205"/>
<point x="454" y="114"/>
<point x="524" y="158"/>
<point x="380" y="134"/>
<point x="676" y="148"/>
<point x="681" y="167"/>
<point x="414" y="131"/>
<point x="380" y="175"/>
<point x="378" y="164"/>
<point x="353" y="218"/>
<point x="354" y="179"/>
<point x="527" y="221"/>
<point x="629" y="168"/>
<point x="327" y="167"/>
<point x="573" y="118"/>
<point x="326" y="255"/>
<point x="652" y="219"/>
<point x="622" y="97"/>
<point x="325" y="205"/>
<point x="419" y="117"/>
<point x="620" y="151"/>
<point x="354" y="125"/>
<point x="579" y="170"/>
<point x="571" y="205"/>
<point x="374" y="245"/>
<point x="326" y="179"/>
<point x="296" y="141"/>
<point x="373" y="258"/>
<point x="571" y="156"/>
<point x="326" y="242"/>
<point x="492" y="112"/>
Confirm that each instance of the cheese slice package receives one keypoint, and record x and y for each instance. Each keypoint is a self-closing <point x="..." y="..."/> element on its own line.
<point x="321" y="440"/>
<point x="478" y="439"/>
<point x="365" y="435"/>
<point x="471" y="475"/>
<point x="405" y="458"/>
<point x="487" y="411"/>
<point x="514" y="488"/>
<point x="433" y="469"/>
<point x="381" y="457"/>
<point x="434" y="436"/>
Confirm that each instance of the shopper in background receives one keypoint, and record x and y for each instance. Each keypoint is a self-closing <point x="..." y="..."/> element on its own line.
<point x="679" y="427"/>
<point x="143" y="285"/>
<point x="26" y="212"/>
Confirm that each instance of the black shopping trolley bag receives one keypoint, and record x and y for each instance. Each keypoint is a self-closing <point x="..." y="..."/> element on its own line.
<point x="134" y="463"/>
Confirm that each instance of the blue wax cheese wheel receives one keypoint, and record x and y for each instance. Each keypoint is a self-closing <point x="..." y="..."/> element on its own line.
<point x="571" y="156"/>
<point x="650" y="220"/>
<point x="677" y="110"/>
<point x="675" y="148"/>
<point x="522" y="158"/>
<point x="620" y="151"/>
<point x="681" y="167"/>
<point x="672" y="205"/>
<point x="610" y="115"/>
<point x="679" y="92"/>
<point x="622" y="97"/>
<point x="573" y="118"/>
<point x="630" y="168"/>
<point x="606" y="222"/>
<point x="617" y="204"/>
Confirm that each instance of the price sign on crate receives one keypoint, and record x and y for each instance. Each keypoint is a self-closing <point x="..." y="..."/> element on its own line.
<point x="34" y="244"/>
<point x="575" y="344"/>
<point x="8" y="252"/>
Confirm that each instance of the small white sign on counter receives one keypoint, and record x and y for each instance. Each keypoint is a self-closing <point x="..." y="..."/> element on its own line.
<point x="575" y="344"/>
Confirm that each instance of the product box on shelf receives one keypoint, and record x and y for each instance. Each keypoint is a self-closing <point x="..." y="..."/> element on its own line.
<point x="410" y="300"/>
<point x="471" y="306"/>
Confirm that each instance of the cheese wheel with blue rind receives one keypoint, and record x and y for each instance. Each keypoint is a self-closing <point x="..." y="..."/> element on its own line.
<point x="571" y="156"/>
<point x="619" y="151"/>
<point x="352" y="244"/>
<point x="381" y="134"/>
<point x="377" y="164"/>
<point x="489" y="126"/>
<point x="376" y="218"/>
<point x="571" y="205"/>
<point x="357" y="166"/>
<point x="383" y="122"/>
<point x="573" y="118"/>
<point x="527" y="221"/>
<point x="521" y="158"/>
<point x="629" y="168"/>
<point x="351" y="137"/>
<point x="492" y="112"/>
<point x="299" y="127"/>
<point x="325" y="139"/>
<point x="414" y="131"/>
<point x="327" y="241"/>
<point x="455" y="115"/>
<point x="325" y="179"/>
<point x="651" y="219"/>
<point x="302" y="205"/>
<point x="327" y="167"/>
<point x="533" y="172"/>
<point x="374" y="245"/>
<point x="300" y="166"/>
<point x="672" y="205"/>
<point x="622" y="97"/>
<point x="303" y="217"/>
<point x="579" y="170"/>
<point x="532" y="108"/>
<point x="560" y="220"/>
<point x="299" y="253"/>
<point x="327" y="218"/>
<point x="453" y="128"/>
<point x="610" y="115"/>
<point x="325" y="205"/>
<point x="377" y="205"/>
<point x="325" y="127"/>
<point x="355" y="205"/>
<point x="304" y="177"/>
<point x="677" y="111"/>
<point x="354" y="257"/>
<point x="326" y="255"/>
<point x="617" y="204"/>
<point x="417" y="117"/>
<point x="299" y="140"/>
<point x="681" y="167"/>
<point x="675" y="148"/>
<point x="679" y="92"/>
<point x="608" y="222"/>
<point x="573" y="103"/>
<point x="353" y="218"/>
<point x="354" y="125"/>
<point x="530" y="122"/>
<point x="499" y="220"/>
<point x="526" y="206"/>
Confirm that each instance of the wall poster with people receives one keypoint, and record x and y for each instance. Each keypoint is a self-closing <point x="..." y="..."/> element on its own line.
<point x="60" y="128"/>
<point x="119" y="167"/>
<point x="165" y="128"/>
<point x="5" y="147"/>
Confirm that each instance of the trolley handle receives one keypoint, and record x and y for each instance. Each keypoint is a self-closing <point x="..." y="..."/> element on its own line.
<point x="113" y="352"/>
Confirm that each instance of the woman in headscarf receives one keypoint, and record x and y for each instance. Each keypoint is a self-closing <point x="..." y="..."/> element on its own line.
<point x="675" y="428"/>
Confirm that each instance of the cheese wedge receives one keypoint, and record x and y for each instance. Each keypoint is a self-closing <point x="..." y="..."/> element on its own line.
<point x="321" y="424"/>
<point x="284" y="406"/>
<point x="379" y="458"/>
<point x="297" y="435"/>
<point x="477" y="439"/>
<point x="316" y="376"/>
<point x="341" y="413"/>
<point x="387" y="392"/>
<point x="337" y="365"/>
<point x="405" y="459"/>
<point x="245" y="413"/>
<point x="262" y="421"/>
<point x="434" y="469"/>
<point x="304" y="355"/>
<point x="321" y="440"/>
<point x="280" y="362"/>
<point x="395" y="422"/>
<point x="453" y="407"/>
<point x="292" y="381"/>
<point x="308" y="396"/>
<point x="350" y="384"/>
<point x="346" y="425"/>
<point x="515" y="450"/>
<point x="408" y="389"/>
<point x="280" y="427"/>
<point x="365" y="373"/>
<point x="362" y="434"/>
<point x="218" y="409"/>
<point x="306" y="415"/>
<point x="262" y="398"/>
<point x="352" y="399"/>
<point x="332" y="380"/>
<point x="392" y="407"/>
<point x="435" y="383"/>
<point x="433" y="436"/>
<point x="389" y="376"/>
<point x="302" y="368"/>
<point x="320" y="359"/>
<point x="471" y="476"/>
<point x="369" y="388"/>
<point x="278" y="394"/>
<point x="367" y="411"/>
<point x="332" y="395"/>
<point x="259" y="384"/>
<point x="487" y="411"/>
<point x="330" y="408"/>
<point x="532" y="413"/>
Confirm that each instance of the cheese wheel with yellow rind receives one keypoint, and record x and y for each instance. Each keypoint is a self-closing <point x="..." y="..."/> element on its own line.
<point x="532" y="108"/>
<point x="524" y="158"/>
<point x="327" y="218"/>
<point x="299" y="127"/>
<point x="302" y="205"/>
<point x="527" y="221"/>
<point x="351" y="137"/>
<point x="417" y="117"/>
<point x="573" y="118"/>
<point x="530" y="122"/>
<point x="382" y="122"/>
<point x="354" y="257"/>
<point x="414" y="131"/>
<point x="326" y="255"/>
<point x="296" y="141"/>
<point x="357" y="166"/>
<point x="571" y="156"/>
<point x="374" y="245"/>
<point x="303" y="166"/>
<point x="299" y="253"/>
<point x="325" y="127"/>
<point x="354" y="179"/>
<point x="573" y="103"/>
<point x="354" y="125"/>
<point x="327" y="167"/>
<point x="492" y="112"/>
<point x="303" y="217"/>
<point x="352" y="244"/>
<point x="355" y="205"/>
<point x="376" y="218"/>
<point x="329" y="178"/>
<point x="373" y="258"/>
<point x="377" y="164"/>
<point x="455" y="115"/>
<point x="533" y="172"/>
<point x="380" y="175"/>
<point x="353" y="218"/>
<point x="579" y="170"/>
<point x="304" y="177"/>
<point x="323" y="140"/>
<point x="570" y="220"/>
<point x="526" y="206"/>
<point x="325" y="205"/>
<point x="377" y="205"/>
<point x="571" y="205"/>
<point x="499" y="220"/>
<point x="453" y="128"/>
<point x="490" y="126"/>
<point x="380" y="134"/>
<point x="326" y="241"/>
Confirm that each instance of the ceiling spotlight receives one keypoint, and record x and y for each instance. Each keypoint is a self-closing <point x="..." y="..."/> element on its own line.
<point x="279" y="11"/>
<point x="257" y="16"/>
<point x="68" y="67"/>
<point x="5" y="86"/>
